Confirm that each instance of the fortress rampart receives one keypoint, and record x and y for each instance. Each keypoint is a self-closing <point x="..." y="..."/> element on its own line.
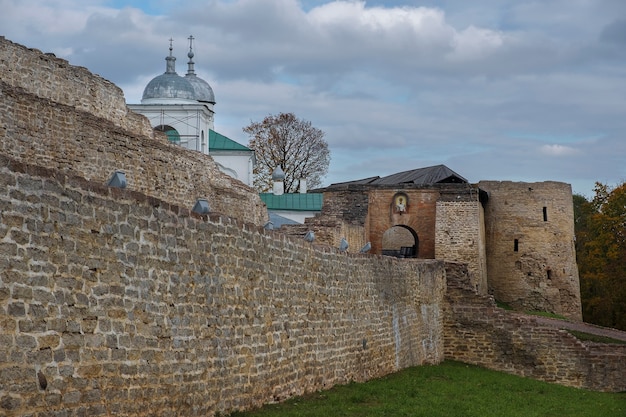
<point x="517" y="238"/>
<point x="126" y="305"/>
<point x="62" y="117"/>
<point x="123" y="302"/>
<point x="55" y="80"/>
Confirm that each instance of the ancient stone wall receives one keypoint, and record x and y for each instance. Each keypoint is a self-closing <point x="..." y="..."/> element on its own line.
<point x="117" y="303"/>
<point x="346" y="205"/>
<point x="63" y="117"/>
<point x="460" y="234"/>
<point x="531" y="258"/>
<point x="55" y="80"/>
<point x="478" y="332"/>
<point x="123" y="302"/>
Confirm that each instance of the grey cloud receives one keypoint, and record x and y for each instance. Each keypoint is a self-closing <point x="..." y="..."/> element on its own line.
<point x="615" y="32"/>
<point x="528" y="81"/>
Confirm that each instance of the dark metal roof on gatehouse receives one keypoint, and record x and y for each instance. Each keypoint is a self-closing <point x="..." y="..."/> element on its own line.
<point x="438" y="174"/>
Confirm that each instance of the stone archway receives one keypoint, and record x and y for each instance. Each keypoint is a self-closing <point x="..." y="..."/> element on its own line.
<point x="400" y="241"/>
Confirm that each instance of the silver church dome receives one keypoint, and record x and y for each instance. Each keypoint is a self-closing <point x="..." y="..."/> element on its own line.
<point x="169" y="85"/>
<point x="202" y="90"/>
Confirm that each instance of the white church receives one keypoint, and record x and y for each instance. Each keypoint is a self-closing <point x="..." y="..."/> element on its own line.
<point x="183" y="108"/>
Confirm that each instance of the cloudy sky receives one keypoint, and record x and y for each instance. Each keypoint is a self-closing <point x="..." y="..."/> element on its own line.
<point x="522" y="90"/>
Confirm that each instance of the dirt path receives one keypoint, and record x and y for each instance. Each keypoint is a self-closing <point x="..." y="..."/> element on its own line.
<point x="582" y="327"/>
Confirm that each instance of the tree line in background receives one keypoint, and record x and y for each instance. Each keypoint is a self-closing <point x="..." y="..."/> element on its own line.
<point x="600" y="226"/>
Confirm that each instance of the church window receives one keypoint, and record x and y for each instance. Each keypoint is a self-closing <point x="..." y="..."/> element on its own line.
<point x="172" y="134"/>
<point x="545" y="214"/>
<point x="515" y="245"/>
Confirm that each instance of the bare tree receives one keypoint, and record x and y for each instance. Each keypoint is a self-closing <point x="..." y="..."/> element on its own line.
<point x="291" y="143"/>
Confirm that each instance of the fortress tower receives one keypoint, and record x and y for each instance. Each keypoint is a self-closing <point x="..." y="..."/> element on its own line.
<point x="531" y="258"/>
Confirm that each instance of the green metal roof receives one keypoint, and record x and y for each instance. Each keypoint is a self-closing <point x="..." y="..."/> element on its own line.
<point x="219" y="142"/>
<point x="293" y="201"/>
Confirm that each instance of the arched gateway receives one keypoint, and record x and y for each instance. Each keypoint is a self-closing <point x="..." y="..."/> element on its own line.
<point x="400" y="241"/>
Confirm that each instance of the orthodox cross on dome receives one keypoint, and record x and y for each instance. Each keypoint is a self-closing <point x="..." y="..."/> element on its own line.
<point x="190" y="70"/>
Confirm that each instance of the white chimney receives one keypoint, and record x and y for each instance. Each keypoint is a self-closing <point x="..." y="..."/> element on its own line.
<point x="278" y="176"/>
<point x="279" y="188"/>
<point x="302" y="186"/>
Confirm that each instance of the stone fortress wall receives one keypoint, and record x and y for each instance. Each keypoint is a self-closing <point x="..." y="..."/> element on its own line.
<point x="478" y="332"/>
<point x="517" y="238"/>
<point x="124" y="302"/>
<point x="460" y="232"/>
<point x="125" y="305"/>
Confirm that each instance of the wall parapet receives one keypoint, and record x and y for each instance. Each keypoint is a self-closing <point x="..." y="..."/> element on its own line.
<point x="113" y="302"/>
<point x="54" y="79"/>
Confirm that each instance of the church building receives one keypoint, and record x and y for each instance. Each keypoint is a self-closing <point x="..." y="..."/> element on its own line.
<point x="183" y="108"/>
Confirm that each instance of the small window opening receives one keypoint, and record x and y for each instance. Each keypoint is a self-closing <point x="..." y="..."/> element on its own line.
<point x="549" y="274"/>
<point x="545" y="214"/>
<point x="515" y="245"/>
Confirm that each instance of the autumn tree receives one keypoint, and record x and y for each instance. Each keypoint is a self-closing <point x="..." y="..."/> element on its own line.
<point x="291" y="143"/>
<point x="601" y="253"/>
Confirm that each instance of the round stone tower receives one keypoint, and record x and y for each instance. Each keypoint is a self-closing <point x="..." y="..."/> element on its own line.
<point x="531" y="258"/>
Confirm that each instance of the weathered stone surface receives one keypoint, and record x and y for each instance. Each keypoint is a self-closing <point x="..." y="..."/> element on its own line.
<point x="220" y="315"/>
<point x="530" y="246"/>
<point x="129" y="304"/>
<point x="478" y="332"/>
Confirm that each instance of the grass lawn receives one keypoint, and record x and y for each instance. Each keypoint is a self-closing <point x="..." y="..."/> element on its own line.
<point x="449" y="390"/>
<point x="595" y="338"/>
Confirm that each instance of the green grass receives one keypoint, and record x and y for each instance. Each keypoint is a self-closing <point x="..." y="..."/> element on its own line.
<point x="580" y="335"/>
<point x="505" y="306"/>
<point x="595" y="338"/>
<point x="451" y="389"/>
<point x="546" y="314"/>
